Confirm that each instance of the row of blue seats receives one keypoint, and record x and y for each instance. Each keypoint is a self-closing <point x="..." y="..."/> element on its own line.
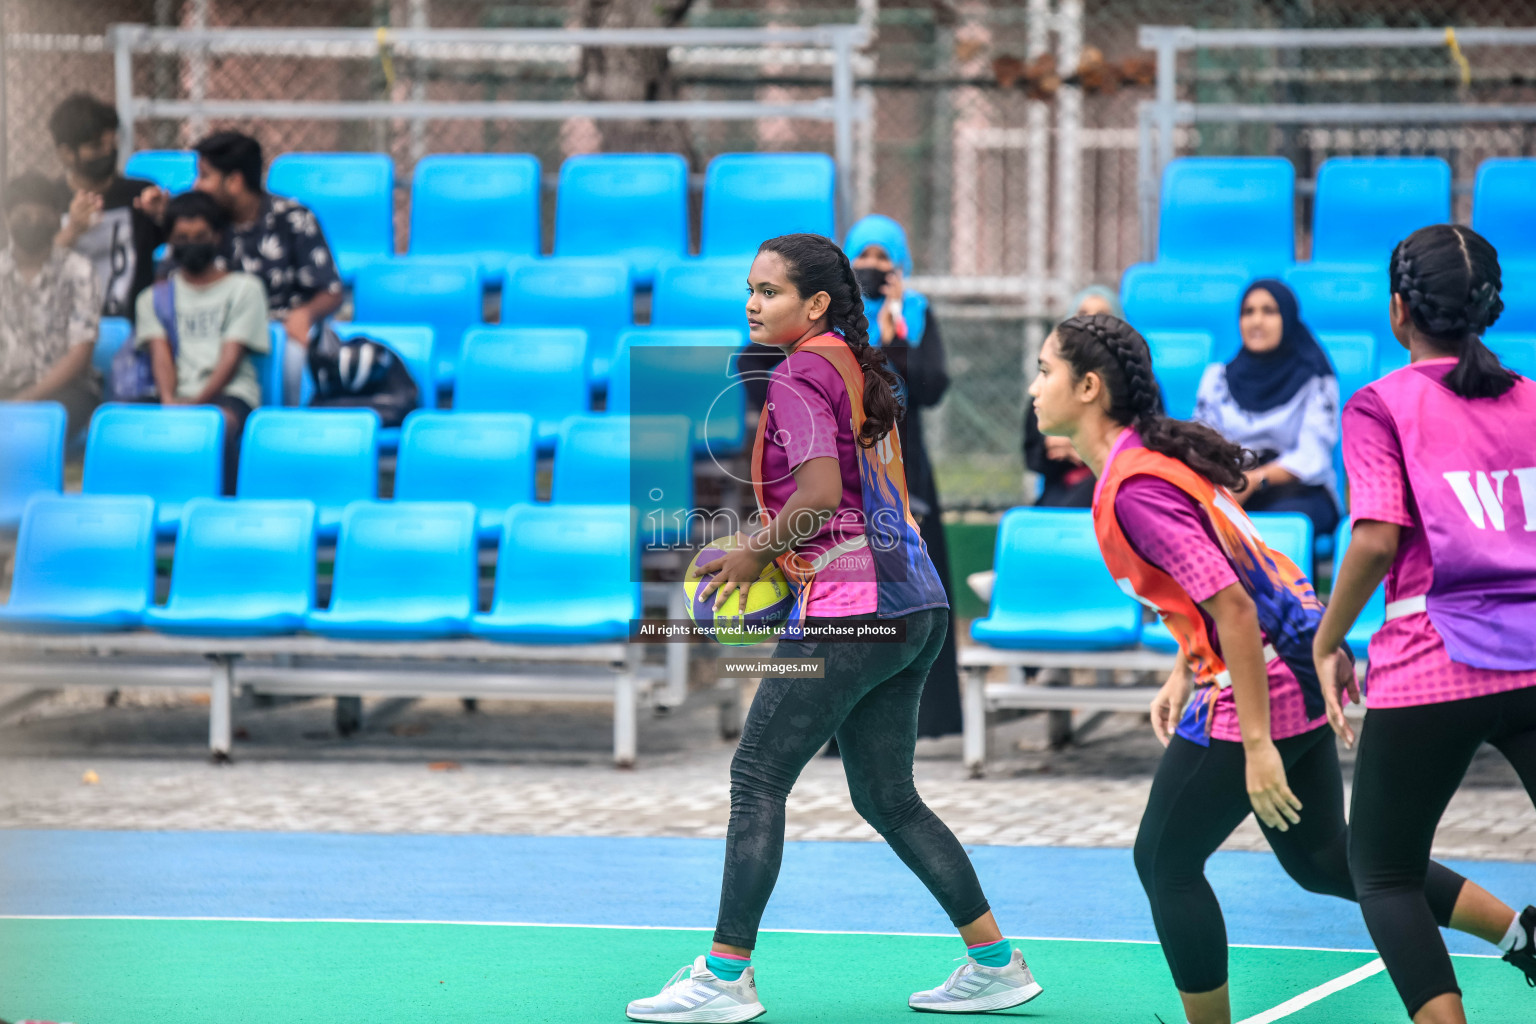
<point x="547" y="372"/>
<point x="1333" y="301"/>
<point x="403" y="571"/>
<point x="1240" y="211"/>
<point x="1180" y="359"/>
<point x="592" y="294"/>
<point x="1084" y="609"/>
<point x="485" y="206"/>
<point x="330" y="457"/>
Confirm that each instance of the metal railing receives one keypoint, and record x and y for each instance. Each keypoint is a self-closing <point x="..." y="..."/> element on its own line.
<point x="1165" y="113"/>
<point x="772" y="45"/>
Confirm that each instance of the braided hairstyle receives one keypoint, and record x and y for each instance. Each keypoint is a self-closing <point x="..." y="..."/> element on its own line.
<point x="1111" y="348"/>
<point x="1449" y="280"/>
<point x="817" y="264"/>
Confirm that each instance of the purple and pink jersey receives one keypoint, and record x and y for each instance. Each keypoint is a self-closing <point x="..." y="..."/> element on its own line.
<point x="809" y="416"/>
<point x="1169" y="529"/>
<point x="1466" y="486"/>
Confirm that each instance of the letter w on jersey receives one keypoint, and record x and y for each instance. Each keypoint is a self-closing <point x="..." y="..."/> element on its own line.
<point x="1482" y="495"/>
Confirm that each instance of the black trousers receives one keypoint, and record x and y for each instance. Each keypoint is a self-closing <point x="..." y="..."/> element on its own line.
<point x="1199" y="796"/>
<point x="1411" y="762"/>
<point x="869" y="699"/>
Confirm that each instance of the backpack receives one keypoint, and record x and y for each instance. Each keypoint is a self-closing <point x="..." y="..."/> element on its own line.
<point x="361" y="373"/>
<point x="133" y="370"/>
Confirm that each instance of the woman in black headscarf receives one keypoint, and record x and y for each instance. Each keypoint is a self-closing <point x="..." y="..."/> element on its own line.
<point x="1279" y="396"/>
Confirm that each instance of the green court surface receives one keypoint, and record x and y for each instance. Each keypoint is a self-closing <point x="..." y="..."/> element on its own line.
<point x="111" y="971"/>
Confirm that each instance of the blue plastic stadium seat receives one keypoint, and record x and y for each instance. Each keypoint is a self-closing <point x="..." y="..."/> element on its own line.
<point x="630" y="205"/>
<point x="1343" y="300"/>
<point x="353" y="195"/>
<point x="437" y="292"/>
<point x="701" y="293"/>
<point x="1158" y="298"/>
<point x="541" y="371"/>
<point x="1205" y="197"/>
<point x="1081" y="609"/>
<point x="328" y="456"/>
<point x="110" y="336"/>
<point x="1374" y="615"/>
<point x="243" y="568"/>
<point x="1504" y="208"/>
<point x="1365" y="205"/>
<point x="1516" y="351"/>
<point x="172" y="454"/>
<point x="1179" y="359"/>
<point x="84" y="563"/>
<point x="661" y="371"/>
<point x="644" y="461"/>
<point x="484" y="206"/>
<point x="485" y="458"/>
<point x="414" y="344"/>
<point x="1518" y="293"/>
<point x="1288" y="533"/>
<point x="749" y="197"/>
<point x="31" y="455"/>
<point x="592" y="293"/>
<point x="172" y="169"/>
<point x="1354" y="360"/>
<point x="564" y="575"/>
<point x="404" y="571"/>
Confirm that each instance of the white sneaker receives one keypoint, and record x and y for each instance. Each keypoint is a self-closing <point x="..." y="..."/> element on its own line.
<point x="695" y="994"/>
<point x="975" y="988"/>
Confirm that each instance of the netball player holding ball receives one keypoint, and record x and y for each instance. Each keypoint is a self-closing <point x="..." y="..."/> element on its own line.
<point x="830" y="483"/>
<point x="1442" y="472"/>
<point x="1243" y="715"/>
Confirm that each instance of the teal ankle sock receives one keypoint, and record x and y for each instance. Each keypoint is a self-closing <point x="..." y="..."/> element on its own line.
<point x="991" y="954"/>
<point x="726" y="967"/>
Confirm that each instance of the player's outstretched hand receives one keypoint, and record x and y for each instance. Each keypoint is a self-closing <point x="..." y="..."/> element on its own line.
<point x="1268" y="790"/>
<point x="1336" y="674"/>
<point x="1169" y="703"/>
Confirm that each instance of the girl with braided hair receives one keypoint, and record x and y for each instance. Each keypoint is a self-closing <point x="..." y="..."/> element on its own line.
<point x="1242" y="715"/>
<point x="832" y="495"/>
<point x="1429" y="450"/>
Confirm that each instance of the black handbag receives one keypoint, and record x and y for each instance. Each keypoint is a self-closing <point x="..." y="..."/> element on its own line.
<point x="361" y="373"/>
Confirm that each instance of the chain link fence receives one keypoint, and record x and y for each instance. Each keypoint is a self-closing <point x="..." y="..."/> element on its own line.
<point x="1011" y="202"/>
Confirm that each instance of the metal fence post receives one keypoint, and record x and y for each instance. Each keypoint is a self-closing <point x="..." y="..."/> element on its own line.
<point x="843" y="109"/>
<point x="121" y="37"/>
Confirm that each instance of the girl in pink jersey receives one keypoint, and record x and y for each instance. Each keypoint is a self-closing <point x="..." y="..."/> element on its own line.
<point x="1442" y="469"/>
<point x="1255" y="736"/>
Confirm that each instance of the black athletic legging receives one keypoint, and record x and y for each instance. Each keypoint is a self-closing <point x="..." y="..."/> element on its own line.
<point x="1411" y="762"/>
<point x="1199" y="795"/>
<point x="869" y="698"/>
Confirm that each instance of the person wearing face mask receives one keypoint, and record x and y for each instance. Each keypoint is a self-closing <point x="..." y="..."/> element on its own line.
<point x="1278" y="397"/>
<point x="202" y="324"/>
<point x="909" y="335"/>
<point x="275" y="238"/>
<point x="105" y="224"/>
<point x="50" y="307"/>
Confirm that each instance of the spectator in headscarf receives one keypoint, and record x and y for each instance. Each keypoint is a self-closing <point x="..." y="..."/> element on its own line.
<point x="1278" y="396"/>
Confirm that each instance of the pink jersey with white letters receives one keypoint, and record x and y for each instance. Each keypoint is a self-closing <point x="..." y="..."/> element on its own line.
<point x="1459" y="477"/>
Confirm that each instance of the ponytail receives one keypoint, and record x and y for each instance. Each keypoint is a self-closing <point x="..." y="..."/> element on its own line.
<point x="1448" y="278"/>
<point x="816" y="264"/>
<point x="1112" y="348"/>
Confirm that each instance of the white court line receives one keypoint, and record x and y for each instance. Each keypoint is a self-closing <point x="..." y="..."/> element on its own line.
<point x="1322" y="991"/>
<point x="648" y="927"/>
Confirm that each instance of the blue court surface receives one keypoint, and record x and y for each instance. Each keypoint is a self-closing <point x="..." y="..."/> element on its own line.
<point x="125" y="927"/>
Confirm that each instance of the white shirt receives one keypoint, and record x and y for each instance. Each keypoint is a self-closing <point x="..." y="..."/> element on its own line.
<point x="1304" y="430"/>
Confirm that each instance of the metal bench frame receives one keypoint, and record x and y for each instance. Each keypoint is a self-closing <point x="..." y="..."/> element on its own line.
<point x="978" y="696"/>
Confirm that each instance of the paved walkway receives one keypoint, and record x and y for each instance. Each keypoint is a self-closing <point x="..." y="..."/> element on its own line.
<point x="427" y="767"/>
